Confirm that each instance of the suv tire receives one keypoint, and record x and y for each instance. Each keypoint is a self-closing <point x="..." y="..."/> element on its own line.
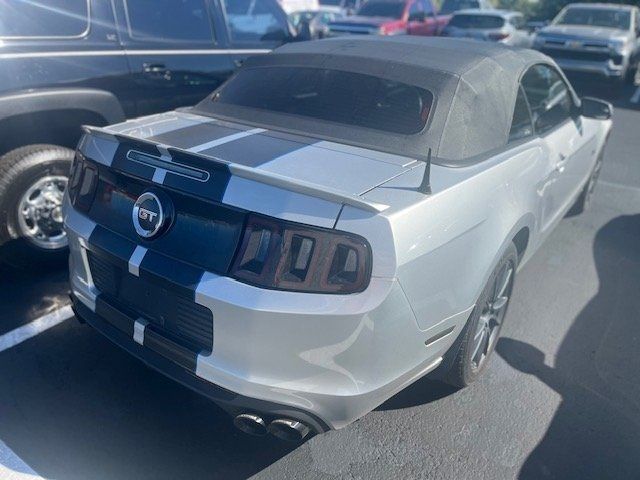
<point x="32" y="181"/>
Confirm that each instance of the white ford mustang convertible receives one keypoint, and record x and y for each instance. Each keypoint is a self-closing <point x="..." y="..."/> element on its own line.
<point x="337" y="220"/>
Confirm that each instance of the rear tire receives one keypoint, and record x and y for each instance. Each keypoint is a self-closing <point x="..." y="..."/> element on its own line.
<point x="470" y="354"/>
<point x="32" y="181"/>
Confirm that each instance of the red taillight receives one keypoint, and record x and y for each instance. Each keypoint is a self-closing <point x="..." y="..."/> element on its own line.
<point x="288" y="256"/>
<point x="498" y="36"/>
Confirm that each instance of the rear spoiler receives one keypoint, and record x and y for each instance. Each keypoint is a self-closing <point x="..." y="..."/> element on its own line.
<point x="262" y="176"/>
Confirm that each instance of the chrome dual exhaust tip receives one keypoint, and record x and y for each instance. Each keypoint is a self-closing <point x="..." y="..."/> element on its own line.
<point x="251" y="424"/>
<point x="289" y="430"/>
<point x="282" y="428"/>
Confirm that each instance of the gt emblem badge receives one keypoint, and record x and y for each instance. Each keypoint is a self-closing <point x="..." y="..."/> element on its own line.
<point x="150" y="215"/>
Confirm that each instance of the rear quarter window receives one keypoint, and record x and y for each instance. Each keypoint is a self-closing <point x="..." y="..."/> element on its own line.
<point x="334" y="96"/>
<point x="44" y="19"/>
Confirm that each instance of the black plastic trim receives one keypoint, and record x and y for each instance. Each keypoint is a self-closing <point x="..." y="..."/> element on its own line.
<point x="229" y="401"/>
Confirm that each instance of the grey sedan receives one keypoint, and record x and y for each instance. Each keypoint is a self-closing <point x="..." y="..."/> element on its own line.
<point x="490" y="25"/>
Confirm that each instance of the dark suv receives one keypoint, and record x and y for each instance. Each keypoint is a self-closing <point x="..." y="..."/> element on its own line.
<point x="66" y="63"/>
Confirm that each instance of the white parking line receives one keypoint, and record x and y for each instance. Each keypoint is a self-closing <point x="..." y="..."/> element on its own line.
<point x="12" y="467"/>
<point x="636" y="96"/>
<point x="39" y="325"/>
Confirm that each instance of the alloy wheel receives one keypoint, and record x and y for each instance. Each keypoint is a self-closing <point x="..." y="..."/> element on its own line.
<point x="40" y="213"/>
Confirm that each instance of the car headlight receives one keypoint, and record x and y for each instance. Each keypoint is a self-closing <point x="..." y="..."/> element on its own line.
<point x="618" y="46"/>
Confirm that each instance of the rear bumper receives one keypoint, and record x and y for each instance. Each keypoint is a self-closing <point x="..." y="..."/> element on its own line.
<point x="150" y="354"/>
<point x="325" y="360"/>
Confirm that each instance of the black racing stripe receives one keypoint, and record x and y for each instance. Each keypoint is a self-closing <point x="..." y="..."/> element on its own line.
<point x="113" y="247"/>
<point x="174" y="351"/>
<point x="114" y="316"/>
<point x="194" y="135"/>
<point x="213" y="189"/>
<point x="254" y="150"/>
<point x="177" y="277"/>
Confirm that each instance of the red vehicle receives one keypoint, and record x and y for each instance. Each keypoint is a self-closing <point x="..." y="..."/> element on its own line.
<point x="392" y="17"/>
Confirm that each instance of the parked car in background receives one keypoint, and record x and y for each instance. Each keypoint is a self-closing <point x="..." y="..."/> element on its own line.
<point x="451" y="6"/>
<point x="392" y="17"/>
<point x="63" y="67"/>
<point x="595" y="40"/>
<point x="321" y="232"/>
<point x="313" y="24"/>
<point x="490" y="25"/>
<point x="342" y="7"/>
<point x="290" y="6"/>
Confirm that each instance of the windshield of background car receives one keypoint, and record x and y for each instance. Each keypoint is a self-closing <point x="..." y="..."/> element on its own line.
<point x="334" y="96"/>
<point x="381" y="9"/>
<point x="597" y="17"/>
<point x="68" y="18"/>
<point x="476" y="21"/>
<point x="450" y="6"/>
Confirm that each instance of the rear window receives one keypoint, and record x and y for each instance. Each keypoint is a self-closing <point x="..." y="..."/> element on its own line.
<point x="477" y="21"/>
<point x="382" y="9"/>
<point x="42" y="18"/>
<point x="332" y="96"/>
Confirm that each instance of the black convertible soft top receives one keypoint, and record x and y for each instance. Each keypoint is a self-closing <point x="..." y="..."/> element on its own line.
<point x="474" y="86"/>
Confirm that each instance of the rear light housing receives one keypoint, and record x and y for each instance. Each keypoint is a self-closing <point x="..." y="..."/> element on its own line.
<point x="83" y="182"/>
<point x="283" y="255"/>
<point x="496" y="37"/>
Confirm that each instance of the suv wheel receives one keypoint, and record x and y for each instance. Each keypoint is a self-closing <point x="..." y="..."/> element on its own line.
<point x="33" y="180"/>
<point x="471" y="352"/>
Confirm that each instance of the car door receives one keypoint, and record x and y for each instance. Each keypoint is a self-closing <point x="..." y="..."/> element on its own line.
<point x="254" y="27"/>
<point x="174" y="57"/>
<point x="555" y="120"/>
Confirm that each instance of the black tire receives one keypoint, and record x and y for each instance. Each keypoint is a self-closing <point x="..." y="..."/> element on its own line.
<point x="464" y="368"/>
<point x="19" y="170"/>
<point x="583" y="202"/>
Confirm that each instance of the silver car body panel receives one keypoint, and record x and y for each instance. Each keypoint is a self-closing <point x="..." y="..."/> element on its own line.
<point x="339" y="356"/>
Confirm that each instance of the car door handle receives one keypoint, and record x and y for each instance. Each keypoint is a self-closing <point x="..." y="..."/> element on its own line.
<point x="561" y="163"/>
<point x="155" y="69"/>
<point x="238" y="62"/>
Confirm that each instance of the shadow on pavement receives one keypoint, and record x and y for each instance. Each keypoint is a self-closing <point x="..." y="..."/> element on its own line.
<point x="28" y="294"/>
<point x="595" y="432"/>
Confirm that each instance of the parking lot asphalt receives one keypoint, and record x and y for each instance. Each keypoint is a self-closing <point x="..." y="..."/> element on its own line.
<point x="561" y="399"/>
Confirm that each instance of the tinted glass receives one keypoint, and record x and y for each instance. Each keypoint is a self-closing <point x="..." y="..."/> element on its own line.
<point x="450" y="6"/>
<point x="476" y="21"/>
<point x="254" y="20"/>
<point x="332" y="3"/>
<point x="599" y="17"/>
<point x="32" y="18"/>
<point x="521" y="125"/>
<point x="332" y="96"/>
<point x="169" y="20"/>
<point x="549" y="97"/>
<point x="382" y="9"/>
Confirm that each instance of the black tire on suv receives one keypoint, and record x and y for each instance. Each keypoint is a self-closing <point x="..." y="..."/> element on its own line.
<point x="32" y="183"/>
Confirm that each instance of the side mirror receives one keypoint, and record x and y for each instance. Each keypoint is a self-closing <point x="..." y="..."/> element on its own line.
<point x="594" y="108"/>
